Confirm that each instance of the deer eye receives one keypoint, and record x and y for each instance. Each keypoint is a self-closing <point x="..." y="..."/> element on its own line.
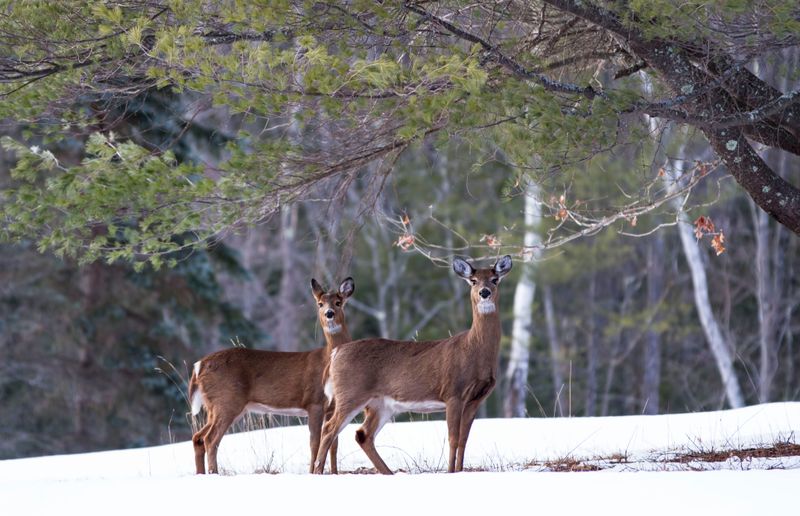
<point x="319" y="305"/>
<point x="338" y="303"/>
<point x="495" y="280"/>
<point x="473" y="281"/>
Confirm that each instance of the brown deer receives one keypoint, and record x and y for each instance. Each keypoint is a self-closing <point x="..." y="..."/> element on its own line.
<point x="234" y="381"/>
<point x="453" y="375"/>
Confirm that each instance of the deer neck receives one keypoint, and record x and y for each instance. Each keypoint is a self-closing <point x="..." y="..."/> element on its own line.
<point x="337" y="339"/>
<point x="485" y="331"/>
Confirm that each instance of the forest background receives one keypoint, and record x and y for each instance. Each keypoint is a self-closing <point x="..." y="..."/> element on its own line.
<point x="174" y="173"/>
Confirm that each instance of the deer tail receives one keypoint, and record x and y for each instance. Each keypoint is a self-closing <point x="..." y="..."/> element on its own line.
<point x="195" y="393"/>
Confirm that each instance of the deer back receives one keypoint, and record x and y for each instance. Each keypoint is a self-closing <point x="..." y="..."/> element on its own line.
<point x="401" y="370"/>
<point x="272" y="378"/>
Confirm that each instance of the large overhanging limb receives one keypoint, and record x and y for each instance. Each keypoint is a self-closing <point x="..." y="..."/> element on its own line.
<point x="747" y="118"/>
<point x="771" y="135"/>
<point x="752" y="92"/>
<point x="770" y="117"/>
<point x="662" y="109"/>
<point x="781" y="127"/>
<point x="768" y="190"/>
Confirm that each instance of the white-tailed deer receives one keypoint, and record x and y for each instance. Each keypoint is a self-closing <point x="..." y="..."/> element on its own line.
<point x="234" y="381"/>
<point x="453" y="375"/>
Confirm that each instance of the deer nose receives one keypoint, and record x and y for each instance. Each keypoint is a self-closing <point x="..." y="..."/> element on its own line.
<point x="484" y="293"/>
<point x="329" y="314"/>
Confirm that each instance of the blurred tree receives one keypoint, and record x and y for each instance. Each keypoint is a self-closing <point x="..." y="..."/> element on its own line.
<point x="95" y="356"/>
<point x="651" y="382"/>
<point x="82" y="349"/>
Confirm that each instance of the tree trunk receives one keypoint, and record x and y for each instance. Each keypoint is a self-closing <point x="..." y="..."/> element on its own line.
<point x="286" y="325"/>
<point x="440" y="160"/>
<point x="517" y="372"/>
<point x="651" y="380"/>
<point x="93" y="281"/>
<point x="652" y="340"/>
<point x="618" y="353"/>
<point x="557" y="358"/>
<point x="767" y="298"/>
<point x="286" y="317"/>
<point x="769" y="268"/>
<point x="591" y="353"/>
<point x="719" y="347"/>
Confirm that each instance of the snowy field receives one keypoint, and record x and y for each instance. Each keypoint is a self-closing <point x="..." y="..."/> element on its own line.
<point x="625" y="465"/>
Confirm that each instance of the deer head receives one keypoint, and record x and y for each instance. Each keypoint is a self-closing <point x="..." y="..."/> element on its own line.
<point x="330" y="305"/>
<point x="484" y="293"/>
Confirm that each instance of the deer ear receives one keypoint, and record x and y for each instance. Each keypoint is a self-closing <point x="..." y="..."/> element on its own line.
<point x="463" y="269"/>
<point x="347" y="287"/>
<point x="502" y="266"/>
<point x="316" y="288"/>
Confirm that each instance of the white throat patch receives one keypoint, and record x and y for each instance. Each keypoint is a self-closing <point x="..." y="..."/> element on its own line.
<point x="333" y="328"/>
<point x="486" y="306"/>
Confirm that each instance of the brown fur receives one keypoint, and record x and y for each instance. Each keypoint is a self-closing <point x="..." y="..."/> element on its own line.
<point x="231" y="379"/>
<point x="458" y="372"/>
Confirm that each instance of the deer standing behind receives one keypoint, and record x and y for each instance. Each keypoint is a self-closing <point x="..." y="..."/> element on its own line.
<point x="235" y="381"/>
<point x="453" y="375"/>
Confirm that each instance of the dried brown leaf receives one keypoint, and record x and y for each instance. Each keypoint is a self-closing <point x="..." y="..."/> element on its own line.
<point x="491" y="240"/>
<point x="718" y="243"/>
<point x="405" y="242"/>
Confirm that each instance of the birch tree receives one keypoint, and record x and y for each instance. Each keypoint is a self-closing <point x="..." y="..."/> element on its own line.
<point x="721" y="349"/>
<point x="517" y="371"/>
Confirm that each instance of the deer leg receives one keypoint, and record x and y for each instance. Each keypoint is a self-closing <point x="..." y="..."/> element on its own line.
<point x="333" y="452"/>
<point x="365" y="436"/>
<point x="474" y="396"/>
<point x="331" y="429"/>
<point x="467" y="417"/>
<point x="334" y="445"/>
<point x="315" y="420"/>
<point x="198" y="440"/>
<point x="222" y="422"/>
<point x="453" y="411"/>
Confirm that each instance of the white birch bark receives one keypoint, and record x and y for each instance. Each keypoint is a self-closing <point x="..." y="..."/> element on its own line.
<point x="720" y="348"/>
<point x="766" y="294"/>
<point x="517" y="372"/>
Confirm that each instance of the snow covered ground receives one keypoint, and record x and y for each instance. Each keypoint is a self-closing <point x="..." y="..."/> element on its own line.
<point x="516" y="458"/>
